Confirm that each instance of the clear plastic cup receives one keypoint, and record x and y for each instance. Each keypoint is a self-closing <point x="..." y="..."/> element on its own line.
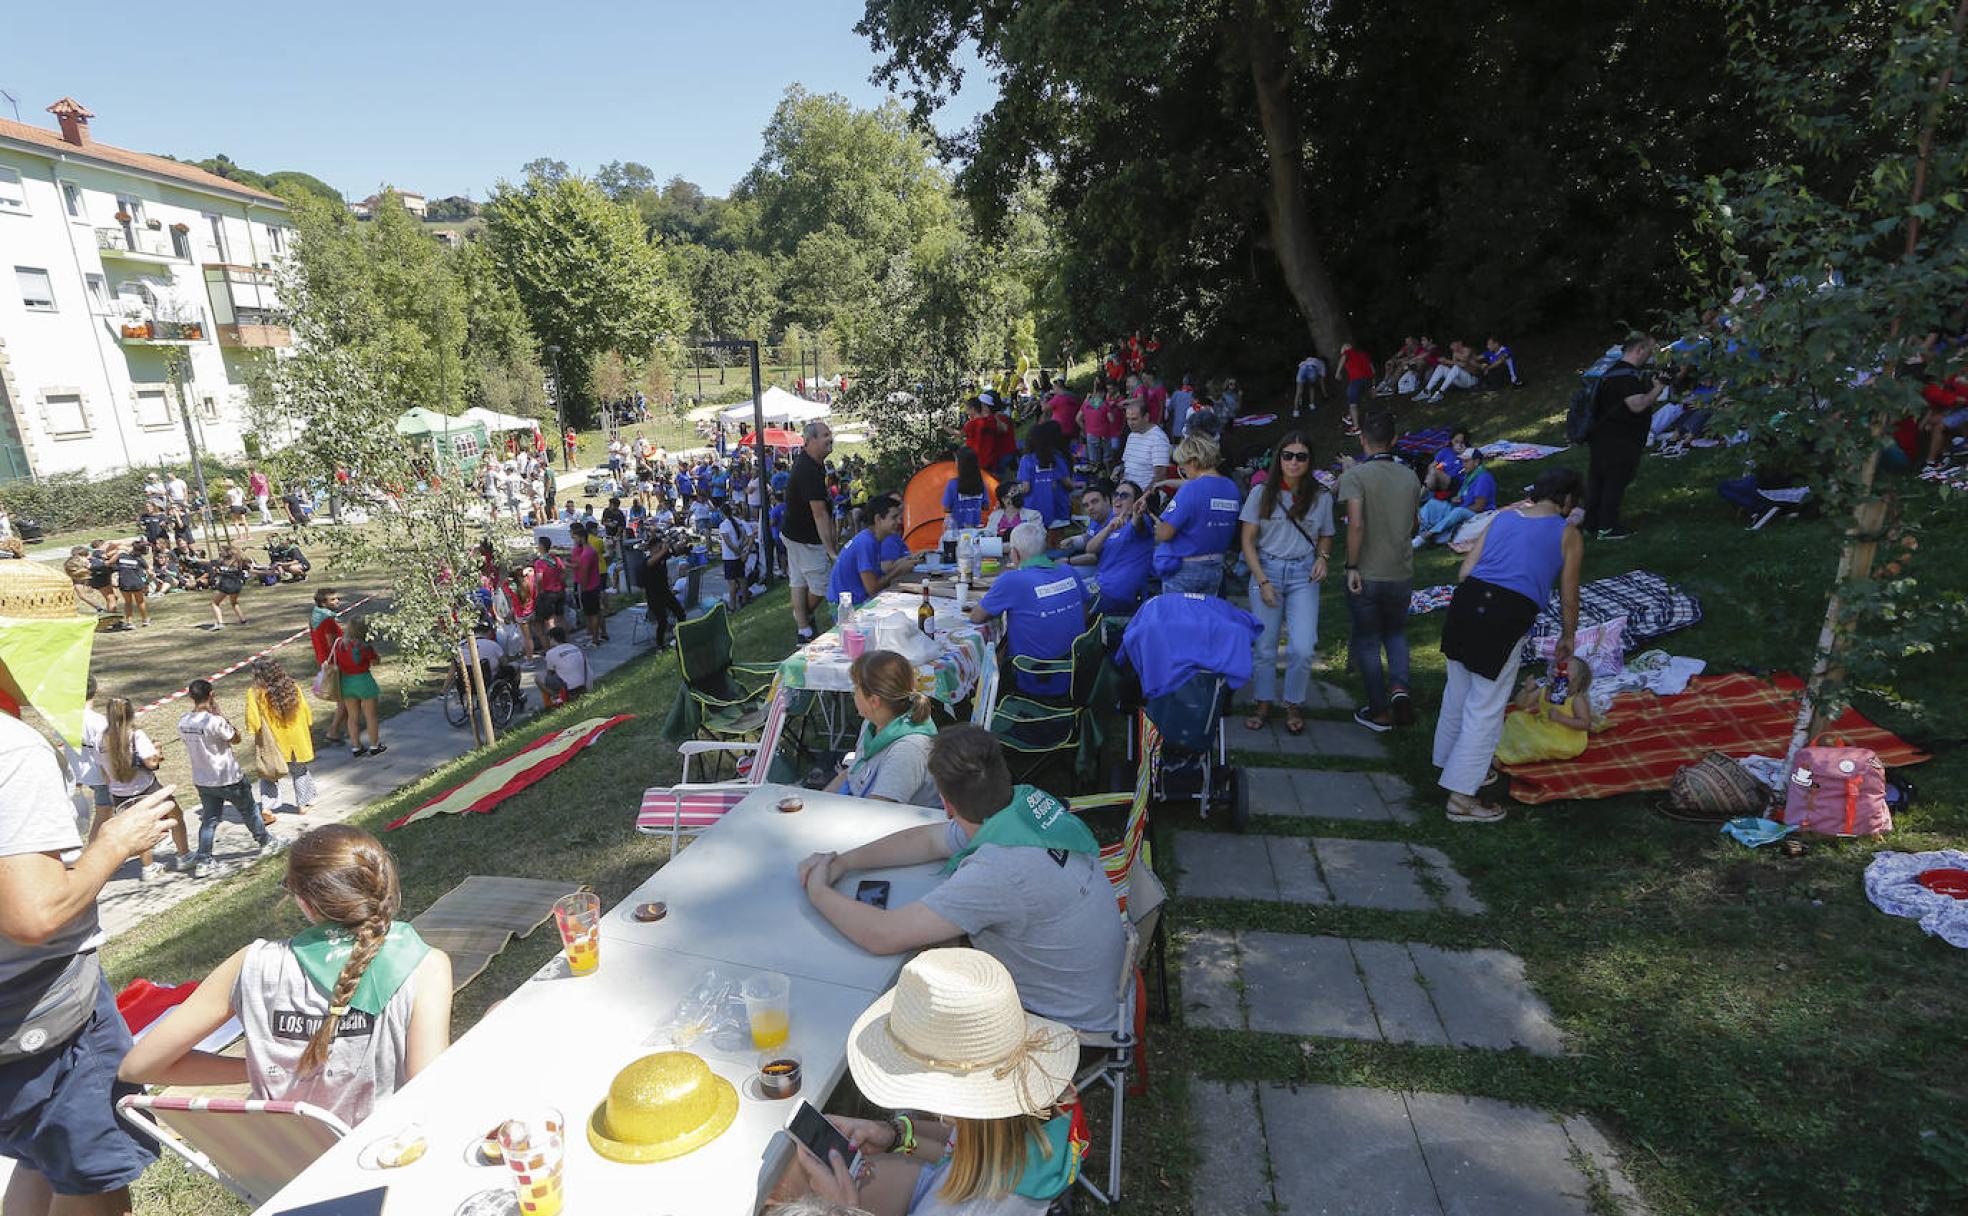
<point x="535" y="1148"/>
<point x="768" y="1008"/>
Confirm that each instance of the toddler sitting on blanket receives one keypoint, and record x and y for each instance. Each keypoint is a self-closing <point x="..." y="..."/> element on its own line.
<point x="1540" y="730"/>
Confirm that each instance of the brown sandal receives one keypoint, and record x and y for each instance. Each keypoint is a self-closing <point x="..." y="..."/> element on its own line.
<point x="1260" y="714"/>
<point x="1294" y="719"/>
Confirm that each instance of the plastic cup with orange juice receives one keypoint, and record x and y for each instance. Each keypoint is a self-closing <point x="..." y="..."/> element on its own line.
<point x="578" y="917"/>
<point x="535" y="1151"/>
<point x="768" y="1007"/>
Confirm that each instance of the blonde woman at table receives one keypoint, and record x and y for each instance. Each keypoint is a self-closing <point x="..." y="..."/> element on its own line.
<point x="951" y="1038"/>
<point x="341" y="1014"/>
<point x="891" y="757"/>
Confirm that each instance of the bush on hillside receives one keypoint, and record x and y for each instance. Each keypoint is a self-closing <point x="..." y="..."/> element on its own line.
<point x="62" y="502"/>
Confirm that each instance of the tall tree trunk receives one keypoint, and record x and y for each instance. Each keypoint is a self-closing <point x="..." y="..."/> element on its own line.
<point x="1293" y="240"/>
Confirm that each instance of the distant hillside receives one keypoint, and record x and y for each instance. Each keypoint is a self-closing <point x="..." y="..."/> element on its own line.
<point x="286" y="182"/>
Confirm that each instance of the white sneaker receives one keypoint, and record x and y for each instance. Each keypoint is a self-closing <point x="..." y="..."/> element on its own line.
<point x="152" y="872"/>
<point x="273" y="844"/>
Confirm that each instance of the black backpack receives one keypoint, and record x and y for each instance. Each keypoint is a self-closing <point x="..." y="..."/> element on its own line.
<point x="1583" y="413"/>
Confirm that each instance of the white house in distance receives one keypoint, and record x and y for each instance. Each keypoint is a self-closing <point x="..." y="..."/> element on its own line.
<point x="111" y="258"/>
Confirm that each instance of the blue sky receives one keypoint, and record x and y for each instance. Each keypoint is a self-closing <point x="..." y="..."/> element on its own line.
<point x="444" y="99"/>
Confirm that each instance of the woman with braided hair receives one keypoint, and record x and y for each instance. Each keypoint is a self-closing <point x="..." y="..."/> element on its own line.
<point x="339" y="1015"/>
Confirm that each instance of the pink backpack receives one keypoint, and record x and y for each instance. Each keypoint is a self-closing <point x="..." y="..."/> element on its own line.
<point x="1837" y="791"/>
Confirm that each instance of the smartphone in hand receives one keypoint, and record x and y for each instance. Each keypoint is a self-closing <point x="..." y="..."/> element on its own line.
<point x="810" y="1127"/>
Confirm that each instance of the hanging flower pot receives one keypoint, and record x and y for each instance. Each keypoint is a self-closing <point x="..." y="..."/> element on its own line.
<point x="122" y="217"/>
<point x="194" y="331"/>
<point x="181" y="227"/>
<point x="136" y="329"/>
<point x="153" y="225"/>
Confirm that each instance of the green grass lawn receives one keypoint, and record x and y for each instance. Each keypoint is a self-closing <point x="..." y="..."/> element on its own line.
<point x="1751" y="1031"/>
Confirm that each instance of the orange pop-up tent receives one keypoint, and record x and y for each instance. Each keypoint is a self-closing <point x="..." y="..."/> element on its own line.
<point x="922" y="504"/>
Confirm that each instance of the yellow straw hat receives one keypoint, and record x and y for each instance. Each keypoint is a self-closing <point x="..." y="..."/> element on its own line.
<point x="31" y="590"/>
<point x="662" y="1106"/>
<point x="951" y="1038"/>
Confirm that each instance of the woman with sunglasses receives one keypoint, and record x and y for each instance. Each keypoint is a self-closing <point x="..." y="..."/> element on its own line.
<point x="1121" y="547"/>
<point x="1287" y="535"/>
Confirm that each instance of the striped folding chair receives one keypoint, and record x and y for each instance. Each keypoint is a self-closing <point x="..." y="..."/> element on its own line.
<point x="252" y="1147"/>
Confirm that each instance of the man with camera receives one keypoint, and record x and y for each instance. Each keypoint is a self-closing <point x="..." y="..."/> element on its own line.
<point x="1621" y="410"/>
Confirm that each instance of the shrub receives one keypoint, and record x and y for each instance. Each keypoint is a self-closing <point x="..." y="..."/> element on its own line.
<point x="62" y="502"/>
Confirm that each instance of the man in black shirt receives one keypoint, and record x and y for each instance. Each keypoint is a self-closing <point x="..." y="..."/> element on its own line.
<point x="1620" y="412"/>
<point x="809" y="526"/>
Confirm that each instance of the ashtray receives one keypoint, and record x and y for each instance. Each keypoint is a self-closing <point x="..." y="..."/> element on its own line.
<point x="651" y="912"/>
<point x="791" y="803"/>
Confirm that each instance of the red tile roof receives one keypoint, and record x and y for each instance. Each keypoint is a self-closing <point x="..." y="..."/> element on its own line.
<point x="109" y="154"/>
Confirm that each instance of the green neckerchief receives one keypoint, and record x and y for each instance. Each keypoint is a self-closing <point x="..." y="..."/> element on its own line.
<point x="873" y="743"/>
<point x="1040" y="562"/>
<point x="1047" y="1176"/>
<point x="1035" y="820"/>
<point x="322" y="950"/>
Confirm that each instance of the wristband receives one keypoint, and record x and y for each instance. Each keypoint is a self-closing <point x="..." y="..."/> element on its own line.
<point x="1352" y="567"/>
<point x="905" y="1134"/>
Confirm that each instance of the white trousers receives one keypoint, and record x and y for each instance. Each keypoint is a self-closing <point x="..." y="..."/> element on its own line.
<point x="1466" y="733"/>
<point x="1447" y="376"/>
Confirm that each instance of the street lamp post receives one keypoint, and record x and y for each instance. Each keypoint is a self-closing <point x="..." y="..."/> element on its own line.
<point x="758" y="441"/>
<point x="560" y="411"/>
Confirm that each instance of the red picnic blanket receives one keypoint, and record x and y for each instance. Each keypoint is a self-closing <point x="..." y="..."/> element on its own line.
<point x="1650" y="737"/>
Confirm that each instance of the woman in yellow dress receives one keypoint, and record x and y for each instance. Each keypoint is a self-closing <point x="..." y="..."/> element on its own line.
<point x="1540" y="730"/>
<point x="274" y="698"/>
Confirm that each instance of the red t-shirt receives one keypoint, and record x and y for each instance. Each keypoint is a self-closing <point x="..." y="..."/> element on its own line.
<point x="990" y="438"/>
<point x="587" y="567"/>
<point x="547" y="574"/>
<point x="1356" y="364"/>
<point x="1154" y="399"/>
<point x="323" y="636"/>
<point x="354" y="660"/>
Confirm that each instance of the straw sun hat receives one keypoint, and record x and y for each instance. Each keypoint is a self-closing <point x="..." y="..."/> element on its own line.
<point x="951" y="1038"/>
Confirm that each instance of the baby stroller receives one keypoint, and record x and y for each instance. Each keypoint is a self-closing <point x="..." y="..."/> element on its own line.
<point x="1190" y="653"/>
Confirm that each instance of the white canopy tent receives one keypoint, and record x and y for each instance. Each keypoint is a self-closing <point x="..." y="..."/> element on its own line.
<point x="781" y="409"/>
<point x="495" y="422"/>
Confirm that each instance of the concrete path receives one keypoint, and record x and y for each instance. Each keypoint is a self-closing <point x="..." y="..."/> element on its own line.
<point x="1341" y="1150"/>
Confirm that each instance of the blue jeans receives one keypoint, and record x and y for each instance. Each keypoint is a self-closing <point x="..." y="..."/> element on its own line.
<point x="1445" y="528"/>
<point x="1203" y="577"/>
<point x="1100" y="451"/>
<point x="1380" y="620"/>
<point x="212" y="800"/>
<point x="1298" y="614"/>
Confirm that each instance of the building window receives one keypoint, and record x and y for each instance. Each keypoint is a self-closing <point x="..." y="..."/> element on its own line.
<point x="132" y="206"/>
<point x="209" y="406"/>
<point x="181" y="244"/>
<point x="37" y="293"/>
<point x="64" y="414"/>
<point x="153" y="407"/>
<point x="218" y="237"/>
<point x="13" y="192"/>
<point x="72" y="202"/>
<point x="98" y="293"/>
<point x="277" y="238"/>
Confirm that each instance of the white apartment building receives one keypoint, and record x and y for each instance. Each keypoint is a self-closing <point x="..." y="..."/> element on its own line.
<point x="109" y="259"/>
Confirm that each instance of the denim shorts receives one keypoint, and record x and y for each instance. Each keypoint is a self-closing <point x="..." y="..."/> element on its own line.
<point x="58" y="1109"/>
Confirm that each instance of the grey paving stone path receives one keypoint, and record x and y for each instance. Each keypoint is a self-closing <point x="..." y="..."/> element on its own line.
<point x="1306" y="793"/>
<point x="1385" y="874"/>
<point x="1352" y="1151"/>
<point x="1349" y="988"/>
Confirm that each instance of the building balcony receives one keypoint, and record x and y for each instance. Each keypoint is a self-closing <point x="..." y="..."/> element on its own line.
<point x="137" y="245"/>
<point x="154" y="329"/>
<point x="246" y="308"/>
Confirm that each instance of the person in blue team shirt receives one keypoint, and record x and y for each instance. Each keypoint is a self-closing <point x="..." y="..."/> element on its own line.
<point x="686" y="488"/>
<point x="860" y="570"/>
<point x="967" y="496"/>
<point x="1047" y="478"/>
<point x="1179" y="403"/>
<point x="1440" y="518"/>
<point x="1445" y="470"/>
<point x="1499" y="365"/>
<point x="1200" y="525"/>
<point x="1119" y="547"/>
<point x="1044" y="606"/>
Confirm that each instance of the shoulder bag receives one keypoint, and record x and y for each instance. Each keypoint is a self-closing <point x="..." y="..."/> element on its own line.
<point x="269" y="761"/>
<point x="328" y="680"/>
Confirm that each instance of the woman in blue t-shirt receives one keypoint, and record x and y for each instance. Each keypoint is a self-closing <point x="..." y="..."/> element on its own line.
<point x="1122" y="547"/>
<point x="966" y="497"/>
<point x="1199" y="527"/>
<point x="1047" y="478"/>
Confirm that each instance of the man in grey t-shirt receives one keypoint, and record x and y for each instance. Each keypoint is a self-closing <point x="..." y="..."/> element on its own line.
<point x="60" y="1034"/>
<point x="1049" y="915"/>
<point x="1381" y="496"/>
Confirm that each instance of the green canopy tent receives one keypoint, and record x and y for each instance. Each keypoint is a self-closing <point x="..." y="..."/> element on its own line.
<point x="454" y="443"/>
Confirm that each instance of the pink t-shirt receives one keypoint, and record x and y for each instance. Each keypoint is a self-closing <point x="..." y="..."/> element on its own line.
<point x="257" y="483"/>
<point x="1155" y="399"/>
<point x="1066" y="412"/>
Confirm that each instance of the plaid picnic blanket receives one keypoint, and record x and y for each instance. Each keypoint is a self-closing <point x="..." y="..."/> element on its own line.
<point x="1650" y="737"/>
<point x="1422" y="443"/>
<point x="1651" y="605"/>
<point x="1424" y="600"/>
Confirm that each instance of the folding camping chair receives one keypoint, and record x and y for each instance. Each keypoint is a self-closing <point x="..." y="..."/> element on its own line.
<point x="717" y="698"/>
<point x="251" y="1146"/>
<point x="1034" y="728"/>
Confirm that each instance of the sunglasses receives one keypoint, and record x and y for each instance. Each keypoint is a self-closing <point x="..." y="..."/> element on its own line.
<point x="1294" y="455"/>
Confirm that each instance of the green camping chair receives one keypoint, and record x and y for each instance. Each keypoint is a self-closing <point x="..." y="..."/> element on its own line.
<point x="717" y="698"/>
<point x="1034" y="729"/>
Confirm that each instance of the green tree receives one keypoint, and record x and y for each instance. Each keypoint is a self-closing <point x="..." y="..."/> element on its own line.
<point x="586" y="277"/>
<point x="1858" y="249"/>
<point x="621" y="180"/>
<point x="502" y="360"/>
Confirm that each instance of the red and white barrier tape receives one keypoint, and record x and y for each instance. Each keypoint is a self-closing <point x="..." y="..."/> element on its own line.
<point x="216" y="676"/>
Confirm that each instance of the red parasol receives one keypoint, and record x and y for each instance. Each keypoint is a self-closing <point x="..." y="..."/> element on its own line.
<point x="775" y="437"/>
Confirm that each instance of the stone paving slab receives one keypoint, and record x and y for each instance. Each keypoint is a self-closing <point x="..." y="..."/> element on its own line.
<point x="1485" y="1001"/>
<point x="1304" y="793"/>
<point x="1385" y="874"/>
<point x="1375" y="991"/>
<point x="1352" y="1151"/>
<point x="1319" y="695"/>
<point x="1322" y="737"/>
